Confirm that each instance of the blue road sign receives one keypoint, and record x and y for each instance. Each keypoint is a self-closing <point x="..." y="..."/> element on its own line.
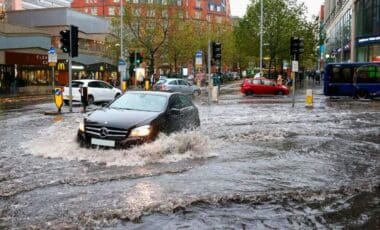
<point x="198" y="54"/>
<point x="51" y="50"/>
<point x="122" y="62"/>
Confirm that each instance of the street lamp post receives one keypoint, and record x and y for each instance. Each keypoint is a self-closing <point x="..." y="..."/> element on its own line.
<point x="123" y="71"/>
<point x="121" y="42"/>
<point x="261" y="36"/>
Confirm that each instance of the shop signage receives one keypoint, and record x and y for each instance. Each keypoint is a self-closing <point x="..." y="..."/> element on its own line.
<point x="368" y="40"/>
<point x="14" y="58"/>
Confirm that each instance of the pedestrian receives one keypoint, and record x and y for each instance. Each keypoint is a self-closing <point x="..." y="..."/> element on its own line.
<point x="318" y="77"/>
<point x="279" y="79"/>
<point x="14" y="85"/>
<point x="152" y="79"/>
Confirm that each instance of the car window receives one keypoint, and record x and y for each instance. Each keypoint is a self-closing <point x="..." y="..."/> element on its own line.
<point x="173" y="83"/>
<point x="94" y="84"/>
<point x="104" y="85"/>
<point x="269" y="83"/>
<point x="76" y="84"/>
<point x="257" y="81"/>
<point x="140" y="102"/>
<point x="162" y="81"/>
<point x="185" y="101"/>
<point x="182" y="82"/>
<point x="174" y="102"/>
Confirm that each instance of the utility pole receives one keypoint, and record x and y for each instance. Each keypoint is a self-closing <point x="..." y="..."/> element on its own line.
<point x="209" y="71"/>
<point x="261" y="36"/>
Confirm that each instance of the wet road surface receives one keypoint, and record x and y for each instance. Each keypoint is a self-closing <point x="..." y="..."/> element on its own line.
<point x="255" y="163"/>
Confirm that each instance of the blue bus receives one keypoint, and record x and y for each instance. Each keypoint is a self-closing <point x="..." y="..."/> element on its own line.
<point x="359" y="80"/>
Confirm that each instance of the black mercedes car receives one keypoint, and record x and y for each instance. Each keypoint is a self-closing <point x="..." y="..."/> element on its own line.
<point x="137" y="117"/>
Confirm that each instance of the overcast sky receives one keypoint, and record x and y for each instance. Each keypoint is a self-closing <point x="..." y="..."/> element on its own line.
<point x="238" y="7"/>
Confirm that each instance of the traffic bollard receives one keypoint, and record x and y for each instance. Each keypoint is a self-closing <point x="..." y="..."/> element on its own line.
<point x="309" y="98"/>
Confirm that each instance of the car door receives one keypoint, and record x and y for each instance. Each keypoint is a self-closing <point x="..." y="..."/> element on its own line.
<point x="94" y="90"/>
<point x="189" y="114"/>
<point x="107" y="91"/>
<point x="75" y="86"/>
<point x="258" y="86"/>
<point x="173" y="86"/>
<point x="184" y="87"/>
<point x="269" y="87"/>
<point x="174" y="119"/>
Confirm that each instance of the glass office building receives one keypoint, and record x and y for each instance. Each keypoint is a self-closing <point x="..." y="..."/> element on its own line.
<point x="367" y="30"/>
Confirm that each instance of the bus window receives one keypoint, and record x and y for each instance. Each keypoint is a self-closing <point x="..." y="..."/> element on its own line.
<point x="340" y="74"/>
<point x="334" y="73"/>
<point x="368" y="74"/>
<point x="346" y="75"/>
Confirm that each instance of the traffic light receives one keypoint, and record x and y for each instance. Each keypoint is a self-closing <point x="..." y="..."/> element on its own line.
<point x="301" y="45"/>
<point x="74" y="41"/>
<point x="65" y="41"/>
<point x="217" y="50"/>
<point x="132" y="58"/>
<point x="139" y="58"/>
<point x="296" y="45"/>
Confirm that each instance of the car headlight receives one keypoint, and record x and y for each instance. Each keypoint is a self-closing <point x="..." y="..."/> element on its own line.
<point x="141" y="131"/>
<point x="81" y="125"/>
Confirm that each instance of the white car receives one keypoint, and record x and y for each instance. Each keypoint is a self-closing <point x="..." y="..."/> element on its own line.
<point x="97" y="91"/>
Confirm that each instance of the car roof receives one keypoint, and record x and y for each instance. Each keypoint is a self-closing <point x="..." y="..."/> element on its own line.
<point x="87" y="80"/>
<point x="163" y="93"/>
<point x="172" y="79"/>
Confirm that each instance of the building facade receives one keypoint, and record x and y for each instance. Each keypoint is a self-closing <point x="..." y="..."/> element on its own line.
<point x="33" y="4"/>
<point x="214" y="11"/>
<point x="28" y="35"/>
<point x="352" y="30"/>
<point x="367" y="30"/>
<point x="338" y="28"/>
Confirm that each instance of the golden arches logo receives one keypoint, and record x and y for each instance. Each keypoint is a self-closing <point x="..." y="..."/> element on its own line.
<point x="61" y="66"/>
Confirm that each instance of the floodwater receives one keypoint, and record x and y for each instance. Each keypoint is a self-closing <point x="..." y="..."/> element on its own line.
<point x="255" y="163"/>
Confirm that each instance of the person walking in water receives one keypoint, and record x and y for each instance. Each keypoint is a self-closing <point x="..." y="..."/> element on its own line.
<point x="279" y="79"/>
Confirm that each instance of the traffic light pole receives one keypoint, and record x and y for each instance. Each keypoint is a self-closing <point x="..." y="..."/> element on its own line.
<point x="294" y="83"/>
<point x="209" y="71"/>
<point x="70" y="77"/>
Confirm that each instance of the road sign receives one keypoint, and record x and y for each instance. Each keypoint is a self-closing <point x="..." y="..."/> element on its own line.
<point x="51" y="50"/>
<point x="198" y="59"/>
<point x="122" y="66"/>
<point x="122" y="62"/>
<point x="52" y="58"/>
<point x="295" y="66"/>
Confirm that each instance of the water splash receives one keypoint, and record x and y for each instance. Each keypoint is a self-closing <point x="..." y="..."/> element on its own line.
<point x="59" y="141"/>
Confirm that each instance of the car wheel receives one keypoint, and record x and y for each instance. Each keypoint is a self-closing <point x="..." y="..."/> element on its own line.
<point x="249" y="92"/>
<point x="361" y="94"/>
<point x="280" y="92"/>
<point x="90" y="100"/>
<point x="196" y="92"/>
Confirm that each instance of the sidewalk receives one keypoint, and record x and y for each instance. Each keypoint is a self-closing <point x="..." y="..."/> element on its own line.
<point x="11" y="98"/>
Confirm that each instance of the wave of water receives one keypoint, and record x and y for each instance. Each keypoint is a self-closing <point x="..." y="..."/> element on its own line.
<point x="59" y="141"/>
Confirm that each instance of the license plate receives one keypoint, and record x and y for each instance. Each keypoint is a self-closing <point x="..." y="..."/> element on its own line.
<point x="109" y="143"/>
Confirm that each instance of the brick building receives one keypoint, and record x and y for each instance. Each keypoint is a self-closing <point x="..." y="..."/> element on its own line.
<point x="213" y="11"/>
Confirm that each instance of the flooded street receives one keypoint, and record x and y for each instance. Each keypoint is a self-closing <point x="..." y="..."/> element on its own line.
<point x="254" y="163"/>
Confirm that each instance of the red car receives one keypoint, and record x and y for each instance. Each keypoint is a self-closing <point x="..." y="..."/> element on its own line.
<point x="262" y="86"/>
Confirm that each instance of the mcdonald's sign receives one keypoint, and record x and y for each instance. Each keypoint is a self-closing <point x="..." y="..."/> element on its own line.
<point x="61" y="66"/>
